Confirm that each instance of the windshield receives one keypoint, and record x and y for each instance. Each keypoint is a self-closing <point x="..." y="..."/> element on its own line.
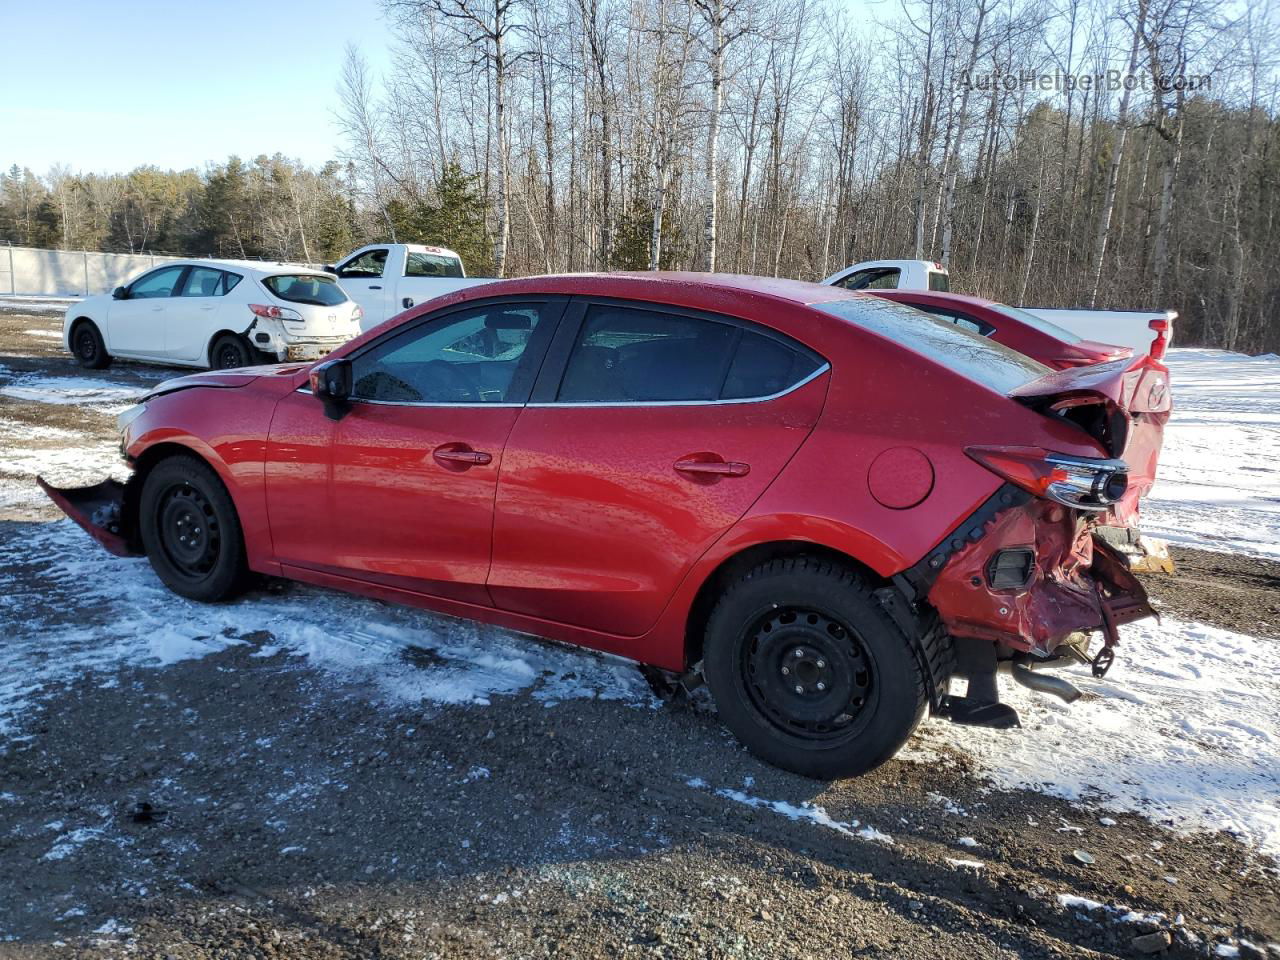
<point x="1038" y="323"/>
<point x="306" y="288"/>
<point x="967" y="353"/>
<point x="432" y="265"/>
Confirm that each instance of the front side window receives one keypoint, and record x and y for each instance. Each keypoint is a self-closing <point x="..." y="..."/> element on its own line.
<point x="306" y="288"/>
<point x="203" y="282"/>
<point x="432" y="265"/>
<point x="876" y="278"/>
<point x="158" y="284"/>
<point x="472" y="356"/>
<point x="627" y="355"/>
<point x="367" y="266"/>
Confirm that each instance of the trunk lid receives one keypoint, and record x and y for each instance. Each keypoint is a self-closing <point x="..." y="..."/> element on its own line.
<point x="1123" y="404"/>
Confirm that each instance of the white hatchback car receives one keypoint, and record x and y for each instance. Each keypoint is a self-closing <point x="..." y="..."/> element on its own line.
<point x="214" y="313"/>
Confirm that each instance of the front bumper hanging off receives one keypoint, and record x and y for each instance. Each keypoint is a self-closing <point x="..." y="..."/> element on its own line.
<point x="100" y="510"/>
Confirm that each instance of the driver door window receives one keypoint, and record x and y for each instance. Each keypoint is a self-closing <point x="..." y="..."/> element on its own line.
<point x="367" y="266"/>
<point x="478" y="355"/>
<point x="158" y="284"/>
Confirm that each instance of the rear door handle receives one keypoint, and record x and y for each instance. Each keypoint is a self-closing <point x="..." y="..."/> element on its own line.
<point x="713" y="468"/>
<point x="374" y="287"/>
<point x="458" y="456"/>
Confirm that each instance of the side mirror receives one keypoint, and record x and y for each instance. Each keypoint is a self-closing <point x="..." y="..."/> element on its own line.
<point x="331" y="382"/>
<point x="119" y="293"/>
<point x="330" y="268"/>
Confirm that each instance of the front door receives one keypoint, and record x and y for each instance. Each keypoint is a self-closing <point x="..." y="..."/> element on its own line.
<point x="415" y="460"/>
<point x="662" y="431"/>
<point x="136" y="325"/>
<point x="365" y="278"/>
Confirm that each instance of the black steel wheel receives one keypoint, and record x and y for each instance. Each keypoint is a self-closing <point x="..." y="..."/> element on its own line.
<point x="229" y="352"/>
<point x="191" y="531"/>
<point x="809" y="671"/>
<point x="88" y="347"/>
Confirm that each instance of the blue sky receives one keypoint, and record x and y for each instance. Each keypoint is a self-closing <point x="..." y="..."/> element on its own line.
<point x="106" y="85"/>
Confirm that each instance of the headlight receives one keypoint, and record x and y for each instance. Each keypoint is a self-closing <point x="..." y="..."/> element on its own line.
<point x="130" y="415"/>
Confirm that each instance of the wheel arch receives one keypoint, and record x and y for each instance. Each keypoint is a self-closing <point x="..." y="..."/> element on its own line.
<point x="147" y="461"/>
<point x="218" y="335"/>
<point x="739" y="561"/>
<point x="75" y="324"/>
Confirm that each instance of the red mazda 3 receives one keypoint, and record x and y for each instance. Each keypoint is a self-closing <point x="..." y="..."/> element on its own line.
<point x="823" y="502"/>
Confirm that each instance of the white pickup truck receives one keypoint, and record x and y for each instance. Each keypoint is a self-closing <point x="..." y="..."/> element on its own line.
<point x="1126" y="328"/>
<point x="387" y="278"/>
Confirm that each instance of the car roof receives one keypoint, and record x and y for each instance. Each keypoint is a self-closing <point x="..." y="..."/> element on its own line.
<point x="258" y="268"/>
<point x="709" y="291"/>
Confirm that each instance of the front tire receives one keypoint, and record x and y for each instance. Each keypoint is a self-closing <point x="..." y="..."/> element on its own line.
<point x="87" y="345"/>
<point x="809" y="672"/>
<point x="191" y="532"/>
<point x="229" y="352"/>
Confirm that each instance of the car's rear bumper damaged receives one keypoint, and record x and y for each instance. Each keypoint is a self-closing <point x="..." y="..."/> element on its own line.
<point x="1023" y="583"/>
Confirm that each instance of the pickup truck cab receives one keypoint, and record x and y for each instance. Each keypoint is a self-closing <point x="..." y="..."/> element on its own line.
<point x="892" y="275"/>
<point x="388" y="278"/>
<point x="1147" y="332"/>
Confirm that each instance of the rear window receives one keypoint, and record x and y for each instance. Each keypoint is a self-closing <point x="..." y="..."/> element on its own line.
<point x="1037" y="323"/>
<point x="306" y="288"/>
<point x="967" y="353"/>
<point x="939" y="282"/>
<point x="432" y="265"/>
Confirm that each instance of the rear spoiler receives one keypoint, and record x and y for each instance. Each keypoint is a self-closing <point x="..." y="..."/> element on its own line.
<point x="1134" y="384"/>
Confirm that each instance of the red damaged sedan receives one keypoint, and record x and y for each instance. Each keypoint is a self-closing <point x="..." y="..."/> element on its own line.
<point x="1047" y="342"/>
<point x="822" y="502"/>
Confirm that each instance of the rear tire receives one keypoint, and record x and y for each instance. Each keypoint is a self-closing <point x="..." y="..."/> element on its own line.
<point x="809" y="672"/>
<point x="191" y="532"/>
<point x="229" y="352"/>
<point x="87" y="345"/>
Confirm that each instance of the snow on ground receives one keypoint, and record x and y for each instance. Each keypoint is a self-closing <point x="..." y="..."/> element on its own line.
<point x="37" y="304"/>
<point x="1184" y="730"/>
<point x="125" y="616"/>
<point x="106" y="396"/>
<point x="1219" y="479"/>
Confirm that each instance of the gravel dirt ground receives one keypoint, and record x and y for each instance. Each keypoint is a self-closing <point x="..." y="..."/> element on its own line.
<point x="250" y="804"/>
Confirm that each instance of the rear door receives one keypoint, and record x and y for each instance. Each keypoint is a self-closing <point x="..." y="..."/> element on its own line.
<point x="193" y="316"/>
<point x="136" y="326"/>
<point x="416" y="459"/>
<point x="651" y="431"/>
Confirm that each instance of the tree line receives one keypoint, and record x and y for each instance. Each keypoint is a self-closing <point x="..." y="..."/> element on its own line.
<point x="1109" y="153"/>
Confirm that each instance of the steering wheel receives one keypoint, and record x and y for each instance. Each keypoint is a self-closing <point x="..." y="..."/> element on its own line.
<point x="454" y="380"/>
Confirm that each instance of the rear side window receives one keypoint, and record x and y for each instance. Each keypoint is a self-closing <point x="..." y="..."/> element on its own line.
<point x="306" y="288"/>
<point x="229" y="281"/>
<point x="432" y="265"/>
<point x="960" y="320"/>
<point x="967" y="353"/>
<point x="203" y="282"/>
<point x="627" y="355"/>
<point x="763" y="367"/>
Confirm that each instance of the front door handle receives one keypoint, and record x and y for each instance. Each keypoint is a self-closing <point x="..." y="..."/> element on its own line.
<point x="458" y="456"/>
<point x="374" y="286"/>
<point x="712" y="468"/>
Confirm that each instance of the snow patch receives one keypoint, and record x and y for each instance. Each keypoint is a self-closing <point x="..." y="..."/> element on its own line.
<point x="1218" y="485"/>
<point x="104" y="396"/>
<point x="805" y="811"/>
<point x="1161" y="735"/>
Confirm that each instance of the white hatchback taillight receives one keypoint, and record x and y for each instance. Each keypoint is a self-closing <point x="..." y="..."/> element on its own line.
<point x="272" y="312"/>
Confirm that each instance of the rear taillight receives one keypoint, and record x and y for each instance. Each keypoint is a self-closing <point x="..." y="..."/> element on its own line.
<point x="272" y="312"/>
<point x="1161" y="343"/>
<point x="1079" y="482"/>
